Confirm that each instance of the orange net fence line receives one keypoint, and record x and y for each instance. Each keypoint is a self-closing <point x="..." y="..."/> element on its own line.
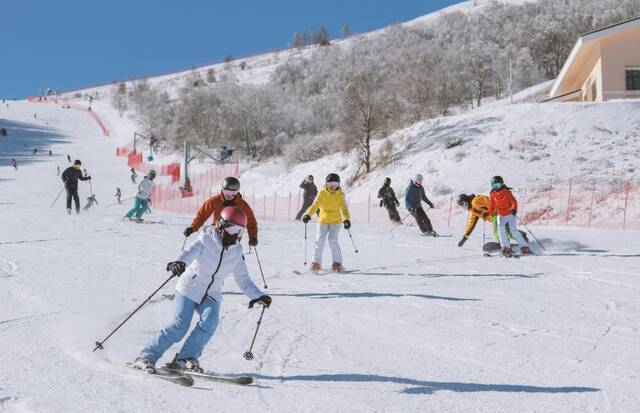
<point x="585" y="206"/>
<point x="71" y="105"/>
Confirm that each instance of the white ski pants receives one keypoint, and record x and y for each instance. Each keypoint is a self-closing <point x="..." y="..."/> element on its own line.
<point x="331" y="231"/>
<point x="512" y="221"/>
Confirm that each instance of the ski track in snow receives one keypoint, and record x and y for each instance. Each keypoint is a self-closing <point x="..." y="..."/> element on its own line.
<point x="421" y="326"/>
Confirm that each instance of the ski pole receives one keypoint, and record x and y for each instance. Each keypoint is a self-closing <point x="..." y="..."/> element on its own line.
<point x="99" y="344"/>
<point x="305" y="243"/>
<point x="534" y="237"/>
<point x="398" y="224"/>
<point x="184" y="243"/>
<point x="248" y="355"/>
<point x="353" y="243"/>
<point x="55" y="200"/>
<point x="484" y="233"/>
<point x="260" y="266"/>
<point x="90" y="187"/>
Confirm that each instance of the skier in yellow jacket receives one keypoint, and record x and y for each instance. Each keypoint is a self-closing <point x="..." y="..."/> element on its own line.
<point x="478" y="205"/>
<point x="333" y="214"/>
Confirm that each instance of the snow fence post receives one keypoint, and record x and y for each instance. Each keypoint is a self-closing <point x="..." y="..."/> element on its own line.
<point x="369" y="209"/>
<point x="593" y="196"/>
<point x="626" y="203"/>
<point x="450" y="206"/>
<point x="549" y="202"/>
<point x="569" y="201"/>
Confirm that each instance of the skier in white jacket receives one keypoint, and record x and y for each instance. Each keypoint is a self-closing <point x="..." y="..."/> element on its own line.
<point x="202" y="269"/>
<point x="142" y="199"/>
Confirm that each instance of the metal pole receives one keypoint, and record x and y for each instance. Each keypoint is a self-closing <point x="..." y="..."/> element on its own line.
<point x="55" y="200"/>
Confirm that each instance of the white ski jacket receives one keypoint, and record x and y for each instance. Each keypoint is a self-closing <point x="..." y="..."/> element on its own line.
<point x="208" y="266"/>
<point x="144" y="189"/>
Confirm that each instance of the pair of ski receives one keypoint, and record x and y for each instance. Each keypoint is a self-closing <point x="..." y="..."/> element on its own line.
<point x="186" y="378"/>
<point x="325" y="272"/>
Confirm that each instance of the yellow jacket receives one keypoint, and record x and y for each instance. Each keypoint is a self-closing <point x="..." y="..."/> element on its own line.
<point x="479" y="205"/>
<point x="332" y="205"/>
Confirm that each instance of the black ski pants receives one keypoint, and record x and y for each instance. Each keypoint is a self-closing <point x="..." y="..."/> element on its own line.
<point x="73" y="194"/>
<point x="394" y="216"/>
<point x="306" y="203"/>
<point x="422" y="219"/>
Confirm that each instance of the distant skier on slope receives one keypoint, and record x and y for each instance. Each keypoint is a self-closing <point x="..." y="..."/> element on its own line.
<point x="478" y="205"/>
<point x="413" y="197"/>
<point x="388" y="199"/>
<point x="333" y="215"/>
<point x="70" y="177"/>
<point x="229" y="196"/>
<point x="142" y="198"/>
<point x="134" y="175"/>
<point x="309" y="192"/>
<point x="118" y="195"/>
<point x="202" y="269"/>
<point x="14" y="163"/>
<point x="504" y="204"/>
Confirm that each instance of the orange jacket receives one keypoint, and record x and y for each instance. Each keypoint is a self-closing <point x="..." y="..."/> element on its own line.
<point x="215" y="204"/>
<point x="502" y="201"/>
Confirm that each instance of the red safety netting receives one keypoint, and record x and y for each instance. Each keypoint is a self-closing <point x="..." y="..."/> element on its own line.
<point x="71" y="105"/>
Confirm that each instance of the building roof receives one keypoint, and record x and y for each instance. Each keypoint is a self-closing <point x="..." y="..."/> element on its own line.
<point x="585" y="41"/>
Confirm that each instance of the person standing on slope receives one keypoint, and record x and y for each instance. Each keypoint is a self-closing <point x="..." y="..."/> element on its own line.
<point x="142" y="198"/>
<point x="413" y="197"/>
<point x="478" y="205"/>
<point x="70" y="177"/>
<point x="229" y="196"/>
<point x="309" y="192"/>
<point x="504" y="204"/>
<point x="333" y="214"/>
<point x="202" y="269"/>
<point x="14" y="163"/>
<point x="388" y="199"/>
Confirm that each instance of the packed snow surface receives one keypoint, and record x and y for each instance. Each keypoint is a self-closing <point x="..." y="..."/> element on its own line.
<point x="422" y="326"/>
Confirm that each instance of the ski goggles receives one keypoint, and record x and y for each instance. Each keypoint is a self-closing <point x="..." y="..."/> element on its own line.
<point x="418" y="181"/>
<point x="333" y="185"/>
<point x="232" y="229"/>
<point x="496" y="185"/>
<point x="228" y="193"/>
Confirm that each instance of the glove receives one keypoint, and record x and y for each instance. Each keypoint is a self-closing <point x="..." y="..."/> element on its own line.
<point x="462" y="241"/>
<point x="346" y="223"/>
<point x="513" y="212"/>
<point x="431" y="205"/>
<point x="187" y="231"/>
<point x="89" y="178"/>
<point x="176" y="267"/>
<point x="253" y="242"/>
<point x="264" y="300"/>
<point x="306" y="218"/>
<point x="397" y="204"/>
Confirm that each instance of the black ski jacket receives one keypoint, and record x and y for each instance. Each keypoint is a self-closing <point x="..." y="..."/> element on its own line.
<point x="70" y="178"/>
<point x="388" y="196"/>
<point x="310" y="191"/>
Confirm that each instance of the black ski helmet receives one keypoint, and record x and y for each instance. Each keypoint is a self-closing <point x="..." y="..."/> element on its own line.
<point x="497" y="180"/>
<point x="151" y="174"/>
<point x="77" y="162"/>
<point x="387" y="181"/>
<point x="231" y="183"/>
<point x="464" y="200"/>
<point x="332" y="178"/>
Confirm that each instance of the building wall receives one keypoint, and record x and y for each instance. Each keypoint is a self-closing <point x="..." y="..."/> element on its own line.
<point x="595" y="76"/>
<point x="619" y="50"/>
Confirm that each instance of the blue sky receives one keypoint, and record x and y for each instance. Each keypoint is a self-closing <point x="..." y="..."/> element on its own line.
<point x="70" y="44"/>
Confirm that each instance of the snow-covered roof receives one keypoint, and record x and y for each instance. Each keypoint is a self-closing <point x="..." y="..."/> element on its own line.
<point x="584" y="44"/>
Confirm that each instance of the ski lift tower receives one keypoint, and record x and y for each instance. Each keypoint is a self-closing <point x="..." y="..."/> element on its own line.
<point x="188" y="149"/>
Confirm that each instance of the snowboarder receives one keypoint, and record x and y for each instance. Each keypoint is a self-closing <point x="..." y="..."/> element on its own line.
<point x="202" y="269"/>
<point x="141" y="200"/>
<point x="309" y="192"/>
<point x="70" y="177"/>
<point x="118" y="195"/>
<point x="134" y="175"/>
<point x="477" y="205"/>
<point x="388" y="199"/>
<point x="229" y="196"/>
<point x="414" y="195"/>
<point x="14" y="163"/>
<point x="333" y="214"/>
<point x="504" y="204"/>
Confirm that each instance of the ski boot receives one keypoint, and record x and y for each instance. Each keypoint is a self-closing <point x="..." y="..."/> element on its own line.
<point x="137" y="219"/>
<point x="188" y="364"/>
<point x="431" y="233"/>
<point x="525" y="250"/>
<point x="145" y="364"/>
<point x="315" y="266"/>
<point x="507" y="251"/>
<point x="68" y="211"/>
<point x="337" y="267"/>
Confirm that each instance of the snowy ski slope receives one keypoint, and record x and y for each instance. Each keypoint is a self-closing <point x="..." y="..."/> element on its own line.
<point x="423" y="326"/>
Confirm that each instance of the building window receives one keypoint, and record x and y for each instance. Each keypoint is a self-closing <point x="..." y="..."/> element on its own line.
<point x="633" y="79"/>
